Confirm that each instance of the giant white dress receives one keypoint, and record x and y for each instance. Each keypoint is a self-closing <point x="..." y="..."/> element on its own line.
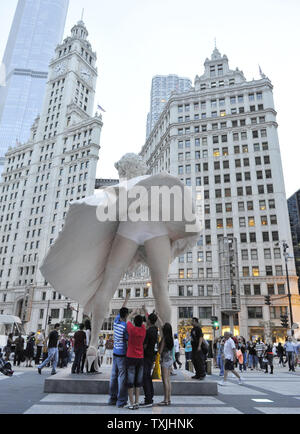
<point x="75" y="263"/>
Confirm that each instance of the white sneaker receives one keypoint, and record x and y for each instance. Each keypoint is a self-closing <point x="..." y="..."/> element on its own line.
<point x="241" y="381"/>
<point x="222" y="383"/>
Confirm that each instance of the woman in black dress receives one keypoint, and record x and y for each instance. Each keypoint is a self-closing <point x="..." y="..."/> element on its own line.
<point x="29" y="352"/>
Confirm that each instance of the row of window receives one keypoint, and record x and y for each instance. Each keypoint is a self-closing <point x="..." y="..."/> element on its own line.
<point x="236" y="136"/>
<point x="222" y="125"/>
<point x="189" y="257"/>
<point x="264" y="146"/>
<point x="255" y="312"/>
<point x="234" y="99"/>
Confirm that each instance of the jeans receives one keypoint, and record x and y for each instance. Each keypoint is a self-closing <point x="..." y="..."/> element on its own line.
<point x="188" y="356"/>
<point x="118" y="382"/>
<point x="291" y="360"/>
<point x="135" y="373"/>
<point x="52" y="355"/>
<point x="147" y="381"/>
<point x="251" y="361"/>
<point x="243" y="366"/>
<point x="220" y="363"/>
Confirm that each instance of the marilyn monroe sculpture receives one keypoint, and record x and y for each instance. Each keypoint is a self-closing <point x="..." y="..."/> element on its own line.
<point x="90" y="256"/>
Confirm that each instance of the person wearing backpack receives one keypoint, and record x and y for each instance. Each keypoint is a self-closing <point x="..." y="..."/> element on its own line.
<point x="199" y="350"/>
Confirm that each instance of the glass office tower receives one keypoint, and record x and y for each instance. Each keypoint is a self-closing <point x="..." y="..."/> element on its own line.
<point x="37" y="28"/>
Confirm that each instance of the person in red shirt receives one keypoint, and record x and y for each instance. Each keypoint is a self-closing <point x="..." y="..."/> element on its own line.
<point x="135" y="358"/>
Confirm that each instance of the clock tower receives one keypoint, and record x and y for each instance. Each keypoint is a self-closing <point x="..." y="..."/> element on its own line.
<point x="56" y="166"/>
<point x="71" y="84"/>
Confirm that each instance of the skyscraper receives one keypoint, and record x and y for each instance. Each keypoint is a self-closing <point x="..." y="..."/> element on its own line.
<point x="221" y="139"/>
<point x="56" y="166"/>
<point x="161" y="89"/>
<point x="294" y="212"/>
<point x="37" y="28"/>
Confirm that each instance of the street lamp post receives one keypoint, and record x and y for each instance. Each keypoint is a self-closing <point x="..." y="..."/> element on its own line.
<point x="286" y="256"/>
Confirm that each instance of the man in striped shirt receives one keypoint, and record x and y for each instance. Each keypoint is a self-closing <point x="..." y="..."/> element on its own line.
<point x="118" y="388"/>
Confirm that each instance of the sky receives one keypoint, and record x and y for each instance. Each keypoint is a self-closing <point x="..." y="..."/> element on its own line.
<point x="137" y="39"/>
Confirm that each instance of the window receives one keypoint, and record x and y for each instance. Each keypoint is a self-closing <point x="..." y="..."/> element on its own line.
<point x="200" y="256"/>
<point x="271" y="290"/>
<point x="245" y="255"/>
<point x="185" y="312"/>
<point x="266" y="236"/>
<point x="257" y="290"/>
<point x="254" y="255"/>
<point x="262" y="205"/>
<point x="228" y="207"/>
<point x="267" y="254"/>
<point x="281" y="288"/>
<point x="55" y="313"/>
<point x="264" y="220"/>
<point x="242" y="222"/>
<point x="189" y="291"/>
<point x="246" y="272"/>
<point x="277" y="253"/>
<point x="200" y="290"/>
<point x="277" y="311"/>
<point x="269" y="270"/>
<point x="181" y="291"/>
<point x="243" y="238"/>
<point x="255" y="313"/>
<point x="247" y="289"/>
<point x="205" y="312"/>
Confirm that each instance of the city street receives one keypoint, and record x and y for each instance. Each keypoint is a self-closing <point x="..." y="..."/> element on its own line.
<point x="261" y="394"/>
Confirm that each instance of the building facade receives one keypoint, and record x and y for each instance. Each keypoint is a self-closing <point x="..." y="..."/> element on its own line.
<point x="294" y="212"/>
<point x="161" y="90"/>
<point x="29" y="49"/>
<point x="221" y="139"/>
<point x="41" y="177"/>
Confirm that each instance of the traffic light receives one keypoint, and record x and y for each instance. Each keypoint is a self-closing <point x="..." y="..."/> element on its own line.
<point x="284" y="321"/>
<point x="49" y="320"/>
<point x="215" y="322"/>
<point x="268" y="300"/>
<point x="75" y="327"/>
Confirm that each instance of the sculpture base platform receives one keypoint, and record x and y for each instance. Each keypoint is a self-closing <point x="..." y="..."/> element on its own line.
<point x="182" y="384"/>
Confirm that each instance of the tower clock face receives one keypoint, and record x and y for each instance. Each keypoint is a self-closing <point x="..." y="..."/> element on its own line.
<point x="60" y="69"/>
<point x="86" y="75"/>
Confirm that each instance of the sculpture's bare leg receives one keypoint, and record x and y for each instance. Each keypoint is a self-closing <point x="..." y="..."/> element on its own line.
<point x="121" y="255"/>
<point x="158" y="252"/>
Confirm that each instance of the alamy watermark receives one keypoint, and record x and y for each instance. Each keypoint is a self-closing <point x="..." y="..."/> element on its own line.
<point x="153" y="204"/>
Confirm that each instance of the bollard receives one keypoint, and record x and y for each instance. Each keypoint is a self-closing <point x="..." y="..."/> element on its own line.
<point x="191" y="366"/>
<point x="208" y="366"/>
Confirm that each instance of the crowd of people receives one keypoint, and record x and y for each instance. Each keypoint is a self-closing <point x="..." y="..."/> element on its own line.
<point x="255" y="354"/>
<point x="140" y="341"/>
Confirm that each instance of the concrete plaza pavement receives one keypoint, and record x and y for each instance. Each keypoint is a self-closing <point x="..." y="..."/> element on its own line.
<point x="260" y="394"/>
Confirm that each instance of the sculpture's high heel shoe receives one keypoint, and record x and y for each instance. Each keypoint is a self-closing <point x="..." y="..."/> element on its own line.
<point x="91" y="362"/>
